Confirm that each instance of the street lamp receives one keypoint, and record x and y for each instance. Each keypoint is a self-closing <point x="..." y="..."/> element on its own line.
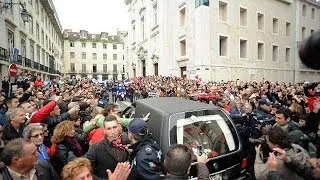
<point x="24" y="13"/>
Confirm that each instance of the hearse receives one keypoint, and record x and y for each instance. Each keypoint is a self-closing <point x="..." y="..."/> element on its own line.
<point x="201" y="127"/>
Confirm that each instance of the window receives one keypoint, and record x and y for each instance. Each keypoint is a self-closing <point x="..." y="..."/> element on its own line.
<point x="288" y="29"/>
<point x="275" y="53"/>
<point x="303" y="33"/>
<point x="38" y="55"/>
<point x="115" y="68"/>
<point x="182" y="17"/>
<point x="10" y="42"/>
<point x="42" y="37"/>
<point x="260" y="21"/>
<point x="32" y="51"/>
<point x="155" y="14"/>
<point x="42" y="15"/>
<point x="104" y="46"/>
<point x="115" y="56"/>
<point x="105" y="56"/>
<point x="105" y="68"/>
<point x="243" y="17"/>
<point x="83" y="45"/>
<point x="275" y="25"/>
<point x="84" y="68"/>
<point x="37" y="6"/>
<point x="243" y="48"/>
<point x="311" y="31"/>
<point x="31" y="25"/>
<point x="183" y="48"/>
<point x="38" y="31"/>
<point x="201" y="2"/>
<point x="94" y="55"/>
<point x="84" y="55"/>
<point x="47" y="42"/>
<point x="72" y="54"/>
<point x="223" y="11"/>
<point x="94" y="68"/>
<point x="223" y="46"/>
<point x="260" y="51"/>
<point x="288" y="54"/>
<point x="71" y="43"/>
<point x="142" y="27"/>
<point x="313" y="13"/>
<point x="94" y="45"/>
<point x="72" y="67"/>
<point x="23" y="47"/>
<point x="114" y="46"/>
<point x="304" y="10"/>
<point x="133" y="33"/>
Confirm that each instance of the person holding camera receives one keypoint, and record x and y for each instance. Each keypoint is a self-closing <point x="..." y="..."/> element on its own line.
<point x="278" y="138"/>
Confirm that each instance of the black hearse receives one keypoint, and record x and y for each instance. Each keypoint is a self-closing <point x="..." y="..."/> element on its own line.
<point x="202" y="127"/>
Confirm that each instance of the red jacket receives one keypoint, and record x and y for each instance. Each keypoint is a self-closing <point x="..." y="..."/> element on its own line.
<point x="40" y="115"/>
<point x="38" y="83"/>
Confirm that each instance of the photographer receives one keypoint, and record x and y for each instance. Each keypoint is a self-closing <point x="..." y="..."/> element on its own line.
<point x="278" y="138"/>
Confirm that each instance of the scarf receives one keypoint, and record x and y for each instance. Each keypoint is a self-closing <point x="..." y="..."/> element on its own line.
<point x="118" y="143"/>
<point x="75" y="146"/>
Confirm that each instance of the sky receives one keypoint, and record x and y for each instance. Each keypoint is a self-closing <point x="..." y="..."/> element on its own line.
<point x="95" y="16"/>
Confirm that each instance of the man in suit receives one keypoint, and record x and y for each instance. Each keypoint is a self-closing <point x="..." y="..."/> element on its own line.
<point x="108" y="152"/>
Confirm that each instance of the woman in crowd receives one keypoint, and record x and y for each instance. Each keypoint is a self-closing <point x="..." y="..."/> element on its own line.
<point x="81" y="169"/>
<point x="65" y="146"/>
<point x="35" y="133"/>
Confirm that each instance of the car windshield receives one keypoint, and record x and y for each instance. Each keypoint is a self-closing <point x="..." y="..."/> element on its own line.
<point x="210" y="134"/>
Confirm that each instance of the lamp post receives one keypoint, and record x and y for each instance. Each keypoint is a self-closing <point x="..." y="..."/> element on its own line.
<point x="24" y="13"/>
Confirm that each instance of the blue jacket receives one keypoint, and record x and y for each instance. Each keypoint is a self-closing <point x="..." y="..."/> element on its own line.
<point x="3" y="120"/>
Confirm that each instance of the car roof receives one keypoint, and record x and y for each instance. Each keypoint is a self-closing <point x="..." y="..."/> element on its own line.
<point x="170" y="105"/>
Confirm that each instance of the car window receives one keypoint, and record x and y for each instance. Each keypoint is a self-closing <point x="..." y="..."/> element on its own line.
<point x="205" y="134"/>
<point x="210" y="134"/>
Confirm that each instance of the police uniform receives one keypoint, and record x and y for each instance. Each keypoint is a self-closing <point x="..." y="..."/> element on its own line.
<point x="146" y="160"/>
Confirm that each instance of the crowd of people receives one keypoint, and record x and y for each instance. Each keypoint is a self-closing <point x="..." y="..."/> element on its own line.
<point x="67" y="129"/>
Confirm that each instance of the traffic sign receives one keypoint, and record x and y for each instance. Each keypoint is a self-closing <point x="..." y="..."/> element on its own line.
<point x="13" y="70"/>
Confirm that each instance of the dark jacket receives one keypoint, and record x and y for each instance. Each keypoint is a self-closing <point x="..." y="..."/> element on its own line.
<point x="5" y="87"/>
<point x="54" y="121"/>
<point x="146" y="160"/>
<point x="3" y="120"/>
<point x="9" y="132"/>
<point x="64" y="153"/>
<point x="203" y="174"/>
<point x="102" y="158"/>
<point x="44" y="171"/>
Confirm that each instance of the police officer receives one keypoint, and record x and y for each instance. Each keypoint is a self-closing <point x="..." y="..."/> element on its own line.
<point x="146" y="154"/>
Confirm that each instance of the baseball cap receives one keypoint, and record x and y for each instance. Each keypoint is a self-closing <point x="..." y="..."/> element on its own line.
<point x="138" y="127"/>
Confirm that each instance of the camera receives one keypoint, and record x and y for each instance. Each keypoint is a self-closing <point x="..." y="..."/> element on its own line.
<point x="261" y="140"/>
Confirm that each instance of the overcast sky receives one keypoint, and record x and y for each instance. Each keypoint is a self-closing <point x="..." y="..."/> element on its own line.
<point x="94" y="16"/>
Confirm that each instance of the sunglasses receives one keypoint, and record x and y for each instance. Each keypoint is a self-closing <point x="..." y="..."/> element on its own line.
<point x="37" y="135"/>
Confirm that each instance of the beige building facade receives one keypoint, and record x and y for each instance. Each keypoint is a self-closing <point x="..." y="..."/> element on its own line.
<point x="220" y="39"/>
<point x="30" y="28"/>
<point x="98" y="56"/>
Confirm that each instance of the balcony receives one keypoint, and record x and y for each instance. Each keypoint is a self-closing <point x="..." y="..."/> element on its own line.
<point x="19" y="60"/>
<point x="28" y="63"/>
<point x="41" y="67"/>
<point x="36" y="65"/>
<point x="46" y="69"/>
<point x="4" y="55"/>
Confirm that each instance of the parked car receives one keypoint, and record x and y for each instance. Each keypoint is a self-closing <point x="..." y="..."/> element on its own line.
<point x="201" y="127"/>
